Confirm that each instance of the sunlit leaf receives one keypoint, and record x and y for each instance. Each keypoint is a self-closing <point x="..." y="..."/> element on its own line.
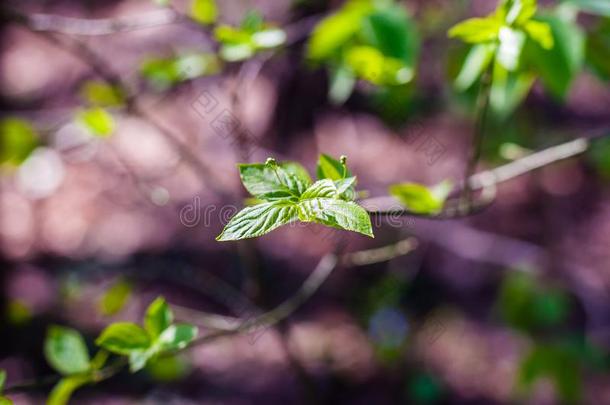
<point x="516" y="12"/>
<point x="599" y="7"/>
<point x="330" y="168"/>
<point x="101" y="94"/>
<point x="508" y="89"/>
<point x="269" y="38"/>
<point x="168" y="368"/>
<point x="509" y="50"/>
<point x="204" y="11"/>
<point x="123" y="338"/>
<point x="476" y="30"/>
<point x="97" y="120"/>
<point x="266" y="182"/>
<point x="177" y="336"/>
<point x="540" y="32"/>
<point x="478" y="59"/>
<point x="66" y="351"/>
<point x="421" y="199"/>
<point x="342" y="82"/>
<point x="158" y="317"/>
<point x="259" y="219"/>
<point x="336" y="213"/>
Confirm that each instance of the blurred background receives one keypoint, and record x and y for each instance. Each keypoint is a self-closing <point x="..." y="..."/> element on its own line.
<point x="122" y="123"/>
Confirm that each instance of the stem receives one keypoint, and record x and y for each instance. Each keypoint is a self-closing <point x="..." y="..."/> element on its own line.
<point x="477" y="139"/>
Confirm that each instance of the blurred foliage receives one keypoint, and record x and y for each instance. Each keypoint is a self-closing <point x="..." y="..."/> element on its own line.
<point x="101" y="94"/>
<point x="17" y="140"/>
<point x="243" y="42"/>
<point x="168" y="369"/>
<point x="371" y="40"/>
<point x="204" y="11"/>
<point x="529" y="305"/>
<point x="424" y="389"/>
<point x="599" y="155"/>
<point x="421" y="199"/>
<point x="598" y="49"/>
<point x="97" y="121"/>
<point x="3" y="400"/>
<point x="163" y="73"/>
<point x="115" y="298"/>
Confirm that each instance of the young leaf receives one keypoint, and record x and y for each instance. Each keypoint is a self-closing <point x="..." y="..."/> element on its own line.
<point x="177" y="336"/>
<point x="97" y="121"/>
<point x="342" y="83"/>
<point x="540" y="32"/>
<point x="123" y="338"/>
<point x="421" y="199"/>
<point x="474" y="65"/>
<point x="330" y="168"/>
<point x="273" y="182"/>
<point x="2" y="379"/>
<point x="63" y="390"/>
<point x="476" y="30"/>
<point x="138" y="359"/>
<point x="66" y="351"/>
<point x="330" y="189"/>
<point x="516" y="12"/>
<point x="101" y="94"/>
<point x="508" y="89"/>
<point x="158" y="317"/>
<point x="259" y="219"/>
<point x="511" y="45"/>
<point x="336" y="213"/>
<point x="268" y="38"/>
<point x="204" y="11"/>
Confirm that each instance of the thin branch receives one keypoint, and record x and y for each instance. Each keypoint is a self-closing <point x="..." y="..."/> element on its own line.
<point x="486" y="181"/>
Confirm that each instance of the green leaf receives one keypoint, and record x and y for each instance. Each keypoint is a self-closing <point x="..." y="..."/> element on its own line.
<point x="599" y="7"/>
<point x="253" y="21"/>
<point x="508" y="89"/>
<point x="330" y="189"/>
<point x="271" y="183"/>
<point x="115" y="298"/>
<point x="97" y="121"/>
<point x="259" y="219"/>
<point x="421" y="199"/>
<point x="158" y="317"/>
<point x="5" y="401"/>
<point x="177" y="336"/>
<point x="392" y="31"/>
<point x="558" y="66"/>
<point x="336" y="213"/>
<point x="474" y="65"/>
<point x="17" y="140"/>
<point x="330" y="168"/>
<point x="163" y="73"/>
<point x="168" y="368"/>
<point x="516" y="12"/>
<point x="123" y="338"/>
<point x="336" y="30"/>
<point x="138" y="359"/>
<point x="370" y="64"/>
<point x="509" y="50"/>
<point x="541" y="33"/>
<point x="63" y="390"/>
<point x="66" y="351"/>
<point x="598" y="50"/>
<point x="204" y="12"/>
<point x="101" y="94"/>
<point x="476" y="30"/>
<point x="2" y="379"/>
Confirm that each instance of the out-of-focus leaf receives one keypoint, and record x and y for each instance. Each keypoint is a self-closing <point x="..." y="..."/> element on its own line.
<point x="123" y="338"/>
<point x="509" y="50"/>
<point x="598" y="50"/>
<point x="63" y="390"/>
<point x="204" y="11"/>
<point x="421" y="199"/>
<point x="5" y="401"/>
<point x="474" y="65"/>
<point x="162" y="3"/>
<point x="158" y="317"/>
<point x="508" y="89"/>
<point x="65" y="350"/>
<point x="516" y="12"/>
<point x="342" y="82"/>
<point x="163" y="73"/>
<point x="2" y="379"/>
<point x="425" y="389"/>
<point x="115" y="298"/>
<point x="101" y="94"/>
<point x="370" y="64"/>
<point x="599" y="7"/>
<point x="476" y="30"/>
<point x="540" y="32"/>
<point x="253" y="21"/>
<point x="559" y="65"/>
<point x="599" y="155"/>
<point x="97" y="120"/>
<point x="168" y="368"/>
<point x="269" y="38"/>
<point x="18" y="312"/>
<point x="17" y="140"/>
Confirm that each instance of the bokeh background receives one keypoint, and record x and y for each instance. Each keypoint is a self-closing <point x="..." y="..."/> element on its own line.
<point x="511" y="305"/>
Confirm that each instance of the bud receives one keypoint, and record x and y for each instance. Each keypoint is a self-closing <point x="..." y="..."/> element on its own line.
<point x="343" y="160"/>
<point x="271" y="162"/>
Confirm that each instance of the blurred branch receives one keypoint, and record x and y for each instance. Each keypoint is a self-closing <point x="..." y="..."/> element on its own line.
<point x="486" y="181"/>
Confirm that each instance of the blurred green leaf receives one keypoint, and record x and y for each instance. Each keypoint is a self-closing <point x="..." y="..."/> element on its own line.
<point x="253" y="21"/>
<point x="138" y="358"/>
<point x="2" y="379"/>
<point x="17" y="312"/>
<point x="342" y="82"/>
<point x="425" y="389"/>
<point x="123" y="338"/>
<point x="474" y="65"/>
<point x="163" y="73"/>
<point x="541" y="33"/>
<point x="508" y="89"/>
<point x="162" y="3"/>
<point x="177" y="337"/>
<point x="516" y="12"/>
<point x="97" y="120"/>
<point x="599" y="155"/>
<point x="268" y="38"/>
<point x="204" y="11"/>
<point x="17" y="140"/>
<point x="476" y="30"/>
<point x="63" y="390"/>
<point x="509" y="51"/>
<point x="598" y="49"/>
<point x="158" y="317"/>
<point x="370" y="64"/>
<point x="421" y="199"/>
<point x="168" y="368"/>
<point x="558" y="66"/>
<point x="599" y="7"/>
<point x="66" y="351"/>
<point x="101" y="94"/>
<point x="115" y="298"/>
